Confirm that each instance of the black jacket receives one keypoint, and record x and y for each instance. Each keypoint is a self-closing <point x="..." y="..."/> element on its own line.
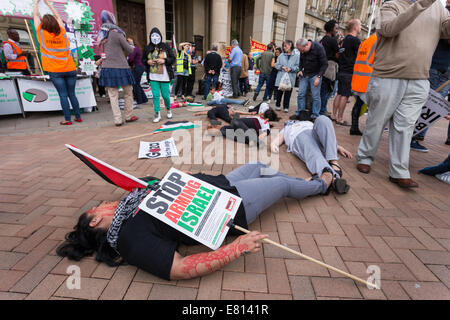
<point x="170" y="60"/>
<point x="314" y="62"/>
<point x="213" y="61"/>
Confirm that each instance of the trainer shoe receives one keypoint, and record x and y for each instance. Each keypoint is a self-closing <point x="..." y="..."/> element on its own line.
<point x="157" y="117"/>
<point x="416" y="146"/>
<point x="169" y="114"/>
<point x="277" y="108"/>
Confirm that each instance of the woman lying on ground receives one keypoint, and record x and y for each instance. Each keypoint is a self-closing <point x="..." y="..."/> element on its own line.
<point x="118" y="232"/>
<point x="224" y="112"/>
<point x="316" y="145"/>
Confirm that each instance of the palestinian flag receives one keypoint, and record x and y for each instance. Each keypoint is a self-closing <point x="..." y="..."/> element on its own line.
<point x="109" y="173"/>
<point x="175" y="125"/>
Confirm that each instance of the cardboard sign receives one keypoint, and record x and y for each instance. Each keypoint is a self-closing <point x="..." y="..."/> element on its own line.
<point x="435" y="108"/>
<point x="196" y="208"/>
<point x="158" y="149"/>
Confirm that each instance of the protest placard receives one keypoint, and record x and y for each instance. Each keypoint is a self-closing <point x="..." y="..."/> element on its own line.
<point x="158" y="149"/>
<point x="196" y="208"/>
<point x="435" y="108"/>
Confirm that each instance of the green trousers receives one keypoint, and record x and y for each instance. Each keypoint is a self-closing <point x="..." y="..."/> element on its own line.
<point x="158" y="89"/>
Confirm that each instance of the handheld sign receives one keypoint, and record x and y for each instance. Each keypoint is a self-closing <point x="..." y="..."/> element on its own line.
<point x="196" y="208"/>
<point x="435" y="109"/>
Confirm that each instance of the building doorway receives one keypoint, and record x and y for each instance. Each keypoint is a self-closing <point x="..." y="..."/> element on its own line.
<point x="131" y="18"/>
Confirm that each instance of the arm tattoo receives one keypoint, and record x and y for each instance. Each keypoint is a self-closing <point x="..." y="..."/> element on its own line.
<point x="213" y="260"/>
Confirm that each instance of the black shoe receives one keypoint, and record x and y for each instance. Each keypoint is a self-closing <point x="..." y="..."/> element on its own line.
<point x="339" y="185"/>
<point x="447" y="142"/>
<point x="255" y="96"/>
<point x="355" y="132"/>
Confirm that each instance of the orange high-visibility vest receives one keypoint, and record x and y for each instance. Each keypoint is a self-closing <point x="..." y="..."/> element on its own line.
<point x="362" y="71"/>
<point x="55" y="51"/>
<point x="19" y="62"/>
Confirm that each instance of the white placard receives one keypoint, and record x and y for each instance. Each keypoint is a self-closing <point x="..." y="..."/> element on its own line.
<point x="196" y="208"/>
<point x="9" y="101"/>
<point x="435" y="108"/>
<point x="42" y="96"/>
<point x="158" y="149"/>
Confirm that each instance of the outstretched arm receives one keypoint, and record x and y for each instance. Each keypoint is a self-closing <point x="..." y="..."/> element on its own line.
<point x="204" y="263"/>
<point x="201" y="113"/>
<point x="277" y="143"/>
<point x="36" y="18"/>
<point x="55" y="13"/>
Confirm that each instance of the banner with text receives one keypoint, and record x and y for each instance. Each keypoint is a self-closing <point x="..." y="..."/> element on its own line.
<point x="435" y="108"/>
<point x="158" y="149"/>
<point x="196" y="208"/>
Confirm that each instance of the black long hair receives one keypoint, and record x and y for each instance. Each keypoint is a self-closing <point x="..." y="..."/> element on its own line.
<point x="271" y="115"/>
<point x="86" y="240"/>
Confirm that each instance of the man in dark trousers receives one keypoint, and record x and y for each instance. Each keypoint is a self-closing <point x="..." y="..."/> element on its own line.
<point x="212" y="65"/>
<point x="235" y="60"/>
<point x="191" y="78"/>
<point x="313" y="63"/>
<point x="264" y="65"/>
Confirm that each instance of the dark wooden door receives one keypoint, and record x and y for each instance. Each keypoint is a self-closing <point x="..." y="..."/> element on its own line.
<point x="131" y="18"/>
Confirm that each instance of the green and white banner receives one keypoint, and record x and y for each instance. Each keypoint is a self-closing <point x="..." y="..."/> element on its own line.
<point x="42" y="96"/>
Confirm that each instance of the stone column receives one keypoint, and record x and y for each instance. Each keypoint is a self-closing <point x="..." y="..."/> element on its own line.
<point x="262" y="21"/>
<point x="296" y="18"/>
<point x="219" y="22"/>
<point x="155" y="16"/>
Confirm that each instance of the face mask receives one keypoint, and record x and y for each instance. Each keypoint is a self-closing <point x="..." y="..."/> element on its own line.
<point x="155" y="38"/>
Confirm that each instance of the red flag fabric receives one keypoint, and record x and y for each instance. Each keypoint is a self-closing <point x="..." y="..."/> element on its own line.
<point x="109" y="173"/>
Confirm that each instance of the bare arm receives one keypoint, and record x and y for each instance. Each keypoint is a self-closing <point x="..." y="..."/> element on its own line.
<point x="344" y="152"/>
<point x="55" y="13"/>
<point x="277" y="143"/>
<point x="201" y="113"/>
<point x="36" y="18"/>
<point x="204" y="263"/>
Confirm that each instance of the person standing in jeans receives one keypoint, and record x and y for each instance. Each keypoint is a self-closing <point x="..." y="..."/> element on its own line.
<point x="212" y="64"/>
<point x="115" y="69"/>
<point x="288" y="63"/>
<point x="313" y="64"/>
<point x="135" y="61"/>
<point x="56" y="59"/>
<point x="235" y="60"/>
<point x="264" y="65"/>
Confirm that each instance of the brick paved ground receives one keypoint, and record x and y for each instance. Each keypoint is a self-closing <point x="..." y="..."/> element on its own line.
<point x="44" y="188"/>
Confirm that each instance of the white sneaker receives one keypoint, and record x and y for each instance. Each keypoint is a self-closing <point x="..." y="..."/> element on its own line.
<point x="277" y="108"/>
<point x="169" y="114"/>
<point x="157" y="117"/>
<point x="444" y="177"/>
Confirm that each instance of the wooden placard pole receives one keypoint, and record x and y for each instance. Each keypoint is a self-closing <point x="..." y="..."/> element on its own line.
<point x="34" y="47"/>
<point x="311" y="259"/>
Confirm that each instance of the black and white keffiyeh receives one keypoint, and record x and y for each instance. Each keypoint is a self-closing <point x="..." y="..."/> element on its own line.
<point x="127" y="207"/>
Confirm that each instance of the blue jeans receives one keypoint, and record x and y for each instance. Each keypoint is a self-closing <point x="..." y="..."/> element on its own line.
<point x="263" y="78"/>
<point x="64" y="83"/>
<point x="437" y="79"/>
<point x="225" y="101"/>
<point x="303" y="84"/>
<point x="325" y="92"/>
<point x="210" y="79"/>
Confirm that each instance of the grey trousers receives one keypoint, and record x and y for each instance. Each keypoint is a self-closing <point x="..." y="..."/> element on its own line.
<point x="398" y="102"/>
<point x="261" y="186"/>
<point x="235" y="73"/>
<point x="317" y="146"/>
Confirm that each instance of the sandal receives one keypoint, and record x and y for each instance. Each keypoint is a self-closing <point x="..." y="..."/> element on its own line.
<point x="339" y="185"/>
<point x="65" y="123"/>
<point x="334" y="166"/>
<point x="343" y="123"/>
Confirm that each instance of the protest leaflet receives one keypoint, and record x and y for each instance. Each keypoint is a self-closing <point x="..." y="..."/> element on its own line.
<point x="158" y="149"/>
<point x="435" y="108"/>
<point x="196" y="208"/>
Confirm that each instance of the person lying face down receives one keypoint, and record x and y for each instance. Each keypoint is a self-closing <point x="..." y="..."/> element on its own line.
<point x="117" y="232"/>
<point x="226" y="113"/>
<point x="313" y="143"/>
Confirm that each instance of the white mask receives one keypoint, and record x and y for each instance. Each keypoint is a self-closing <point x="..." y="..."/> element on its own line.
<point x="155" y="38"/>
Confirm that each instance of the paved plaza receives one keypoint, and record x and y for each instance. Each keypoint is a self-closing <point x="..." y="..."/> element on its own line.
<point x="44" y="189"/>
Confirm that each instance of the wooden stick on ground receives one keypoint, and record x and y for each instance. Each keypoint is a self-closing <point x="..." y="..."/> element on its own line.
<point x="130" y="138"/>
<point x="34" y="47"/>
<point x="311" y="259"/>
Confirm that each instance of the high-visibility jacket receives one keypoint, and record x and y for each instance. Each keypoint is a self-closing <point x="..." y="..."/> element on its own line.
<point x="19" y="62"/>
<point x="362" y="71"/>
<point x="180" y="62"/>
<point x="55" y="51"/>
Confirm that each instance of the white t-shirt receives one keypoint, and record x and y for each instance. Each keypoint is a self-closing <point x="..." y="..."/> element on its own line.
<point x="263" y="107"/>
<point x="218" y="96"/>
<point x="290" y="132"/>
<point x="164" y="77"/>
